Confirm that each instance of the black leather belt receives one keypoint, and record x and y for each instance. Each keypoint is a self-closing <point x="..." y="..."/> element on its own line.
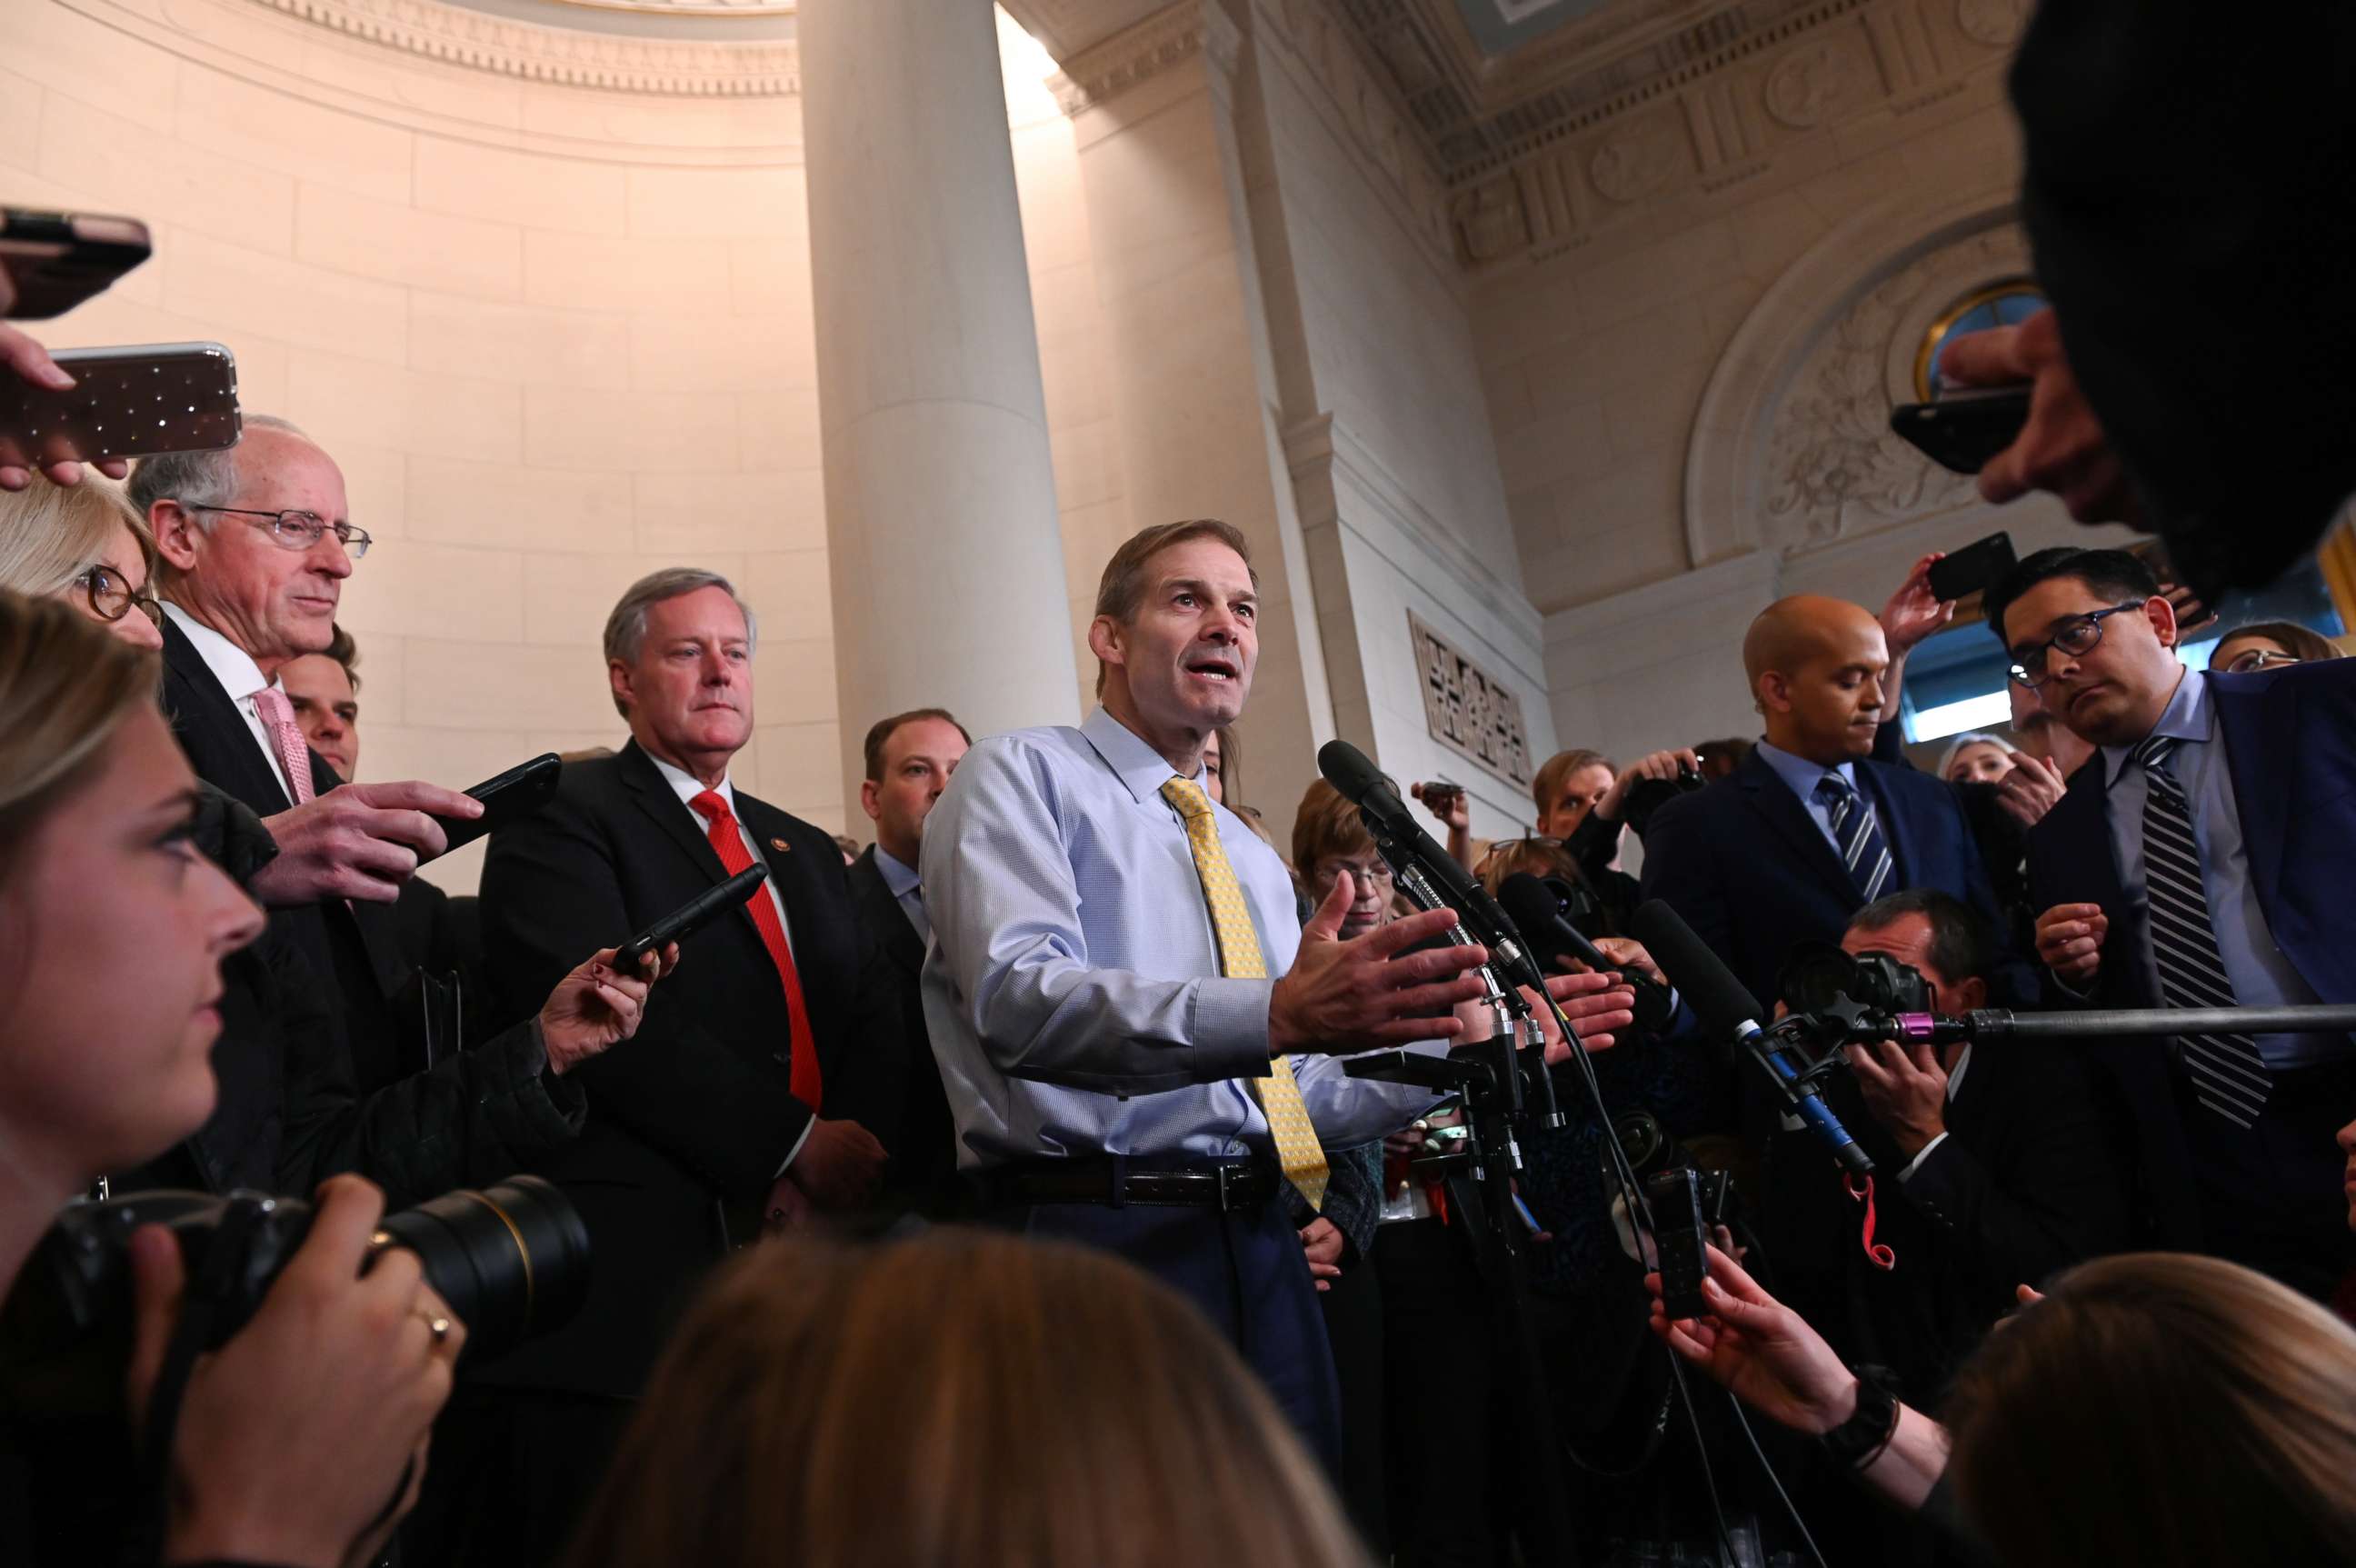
<point x="1115" y="1183"/>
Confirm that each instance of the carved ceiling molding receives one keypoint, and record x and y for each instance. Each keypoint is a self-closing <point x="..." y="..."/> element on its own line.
<point x="1723" y="121"/>
<point x="609" y="63"/>
<point x="772" y="8"/>
<point x="1104" y="71"/>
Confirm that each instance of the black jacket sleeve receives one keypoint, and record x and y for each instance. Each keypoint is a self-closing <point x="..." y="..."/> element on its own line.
<point x="2056" y="1195"/>
<point x="551" y="897"/>
<point x="475" y="1117"/>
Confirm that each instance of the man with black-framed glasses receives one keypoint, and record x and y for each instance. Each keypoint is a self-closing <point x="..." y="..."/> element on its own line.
<point x="2201" y="858"/>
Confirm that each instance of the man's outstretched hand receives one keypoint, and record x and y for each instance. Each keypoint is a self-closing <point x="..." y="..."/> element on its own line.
<point x="1370" y="994"/>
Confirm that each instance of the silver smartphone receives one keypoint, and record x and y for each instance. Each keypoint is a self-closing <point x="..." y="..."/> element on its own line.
<point x="125" y="402"/>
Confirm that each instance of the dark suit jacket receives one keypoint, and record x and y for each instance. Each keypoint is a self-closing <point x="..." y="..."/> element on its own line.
<point x="912" y="1107"/>
<point x="356" y="949"/>
<point x="2290" y="737"/>
<point x="2031" y="1178"/>
<point x="694" y="1117"/>
<point x="1746" y="866"/>
<point x="290" y="1111"/>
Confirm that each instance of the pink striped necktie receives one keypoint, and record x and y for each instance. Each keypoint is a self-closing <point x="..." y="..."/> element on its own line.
<point x="286" y="739"/>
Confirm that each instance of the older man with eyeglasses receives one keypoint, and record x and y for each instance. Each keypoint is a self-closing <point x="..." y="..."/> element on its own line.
<point x="253" y="544"/>
<point x="2200" y="859"/>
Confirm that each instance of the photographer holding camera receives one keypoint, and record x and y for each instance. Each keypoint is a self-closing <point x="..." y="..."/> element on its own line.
<point x="299" y="1442"/>
<point x="2000" y="1163"/>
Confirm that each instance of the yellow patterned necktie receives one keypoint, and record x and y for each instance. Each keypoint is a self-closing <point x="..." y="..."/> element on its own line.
<point x="1297" y="1148"/>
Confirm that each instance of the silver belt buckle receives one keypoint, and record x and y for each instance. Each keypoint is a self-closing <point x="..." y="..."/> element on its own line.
<point x="1226" y="1205"/>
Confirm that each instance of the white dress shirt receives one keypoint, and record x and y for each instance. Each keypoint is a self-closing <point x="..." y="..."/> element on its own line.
<point x="241" y="678"/>
<point x="687" y="786"/>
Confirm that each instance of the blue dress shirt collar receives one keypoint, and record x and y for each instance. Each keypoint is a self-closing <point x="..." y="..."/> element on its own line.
<point x="1801" y="774"/>
<point x="1142" y="769"/>
<point x="897" y="878"/>
<point x="2186" y="717"/>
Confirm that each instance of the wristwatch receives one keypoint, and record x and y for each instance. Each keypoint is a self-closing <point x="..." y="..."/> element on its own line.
<point x="1860" y="1439"/>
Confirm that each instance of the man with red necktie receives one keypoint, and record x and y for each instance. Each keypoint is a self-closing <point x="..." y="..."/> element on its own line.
<point x="747" y="1095"/>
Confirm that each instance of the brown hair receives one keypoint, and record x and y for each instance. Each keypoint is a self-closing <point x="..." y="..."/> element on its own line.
<point x="66" y="685"/>
<point x="880" y="733"/>
<point x="1122" y="587"/>
<point x="1326" y="822"/>
<point x="1231" y="768"/>
<point x="2301" y="642"/>
<point x="345" y="652"/>
<point x="1547" y="787"/>
<point x="961" y="1397"/>
<point x="2161" y="1408"/>
<point x="1538" y="856"/>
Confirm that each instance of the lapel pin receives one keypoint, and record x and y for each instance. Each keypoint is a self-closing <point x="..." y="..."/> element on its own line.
<point x="781" y="847"/>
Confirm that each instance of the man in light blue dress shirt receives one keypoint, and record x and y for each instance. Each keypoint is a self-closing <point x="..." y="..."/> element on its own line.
<point x="1099" y="1065"/>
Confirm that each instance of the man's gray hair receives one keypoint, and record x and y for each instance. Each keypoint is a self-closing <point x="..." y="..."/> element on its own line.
<point x="626" y="628"/>
<point x="196" y="478"/>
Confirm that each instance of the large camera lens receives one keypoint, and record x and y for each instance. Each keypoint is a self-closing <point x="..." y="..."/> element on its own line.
<point x="511" y="1260"/>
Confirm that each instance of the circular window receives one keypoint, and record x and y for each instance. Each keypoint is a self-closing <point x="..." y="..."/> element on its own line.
<point x="2007" y="303"/>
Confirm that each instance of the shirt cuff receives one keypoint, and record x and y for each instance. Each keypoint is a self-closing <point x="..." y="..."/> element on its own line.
<point x="1923" y="1154"/>
<point x="1230" y="1028"/>
<point x="786" y="1163"/>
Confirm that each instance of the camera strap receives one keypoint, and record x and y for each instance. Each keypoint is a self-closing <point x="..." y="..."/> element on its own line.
<point x="207" y="1292"/>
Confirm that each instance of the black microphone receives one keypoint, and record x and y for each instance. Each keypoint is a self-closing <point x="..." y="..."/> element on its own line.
<point x="1727" y="1012"/>
<point x="1362" y="783"/>
<point x="1536" y="911"/>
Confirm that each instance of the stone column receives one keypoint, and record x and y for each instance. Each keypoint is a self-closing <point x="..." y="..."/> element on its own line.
<point x="947" y="565"/>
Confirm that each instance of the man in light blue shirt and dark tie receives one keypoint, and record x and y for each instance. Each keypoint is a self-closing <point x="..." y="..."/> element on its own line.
<point x="1131" y="1025"/>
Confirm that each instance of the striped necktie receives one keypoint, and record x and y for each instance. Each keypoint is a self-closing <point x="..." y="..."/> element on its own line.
<point x="2228" y="1074"/>
<point x="1297" y="1148"/>
<point x="1862" y="848"/>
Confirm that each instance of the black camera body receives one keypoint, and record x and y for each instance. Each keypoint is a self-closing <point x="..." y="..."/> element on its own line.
<point x="1649" y="795"/>
<point x="511" y="1261"/>
<point x="1818" y="977"/>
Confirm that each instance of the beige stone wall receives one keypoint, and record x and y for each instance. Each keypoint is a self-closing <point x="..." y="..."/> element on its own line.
<point x="556" y="337"/>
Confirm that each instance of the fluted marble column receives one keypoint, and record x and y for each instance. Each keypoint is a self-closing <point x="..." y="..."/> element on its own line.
<point x="947" y="563"/>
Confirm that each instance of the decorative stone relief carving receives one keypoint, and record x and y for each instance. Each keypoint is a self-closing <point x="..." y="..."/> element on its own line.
<point x="1489" y="221"/>
<point x="1468" y="710"/>
<point x="1832" y="469"/>
<point x="1991" y="21"/>
<point x="1633" y="164"/>
<point x="1815" y="82"/>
